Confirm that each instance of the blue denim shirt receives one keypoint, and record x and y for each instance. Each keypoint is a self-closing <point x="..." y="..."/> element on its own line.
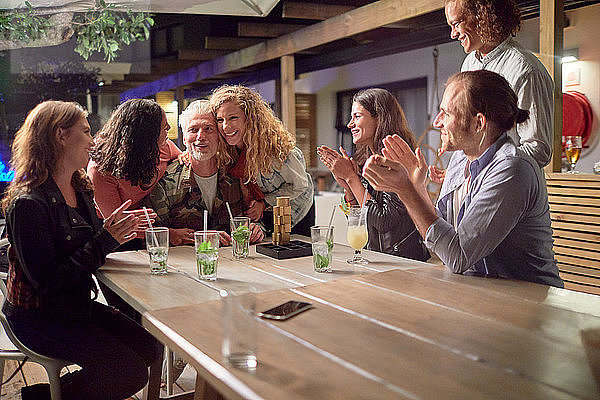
<point x="505" y="225"/>
<point x="291" y="179"/>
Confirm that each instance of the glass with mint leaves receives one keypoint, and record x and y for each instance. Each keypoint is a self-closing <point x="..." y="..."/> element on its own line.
<point x="322" y="247"/>
<point x="206" y="244"/>
<point x="240" y="236"/>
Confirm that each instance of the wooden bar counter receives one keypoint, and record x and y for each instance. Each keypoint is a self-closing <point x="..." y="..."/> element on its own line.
<point x="575" y="211"/>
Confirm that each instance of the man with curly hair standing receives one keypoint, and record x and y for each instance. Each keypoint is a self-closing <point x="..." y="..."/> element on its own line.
<point x="485" y="29"/>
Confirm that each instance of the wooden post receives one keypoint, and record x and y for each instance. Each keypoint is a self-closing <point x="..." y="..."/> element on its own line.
<point x="288" y="93"/>
<point x="180" y="97"/>
<point x="551" y="46"/>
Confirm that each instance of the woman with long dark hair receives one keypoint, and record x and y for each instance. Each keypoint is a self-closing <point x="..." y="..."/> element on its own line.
<point x="375" y="115"/>
<point x="56" y="243"/>
<point x="130" y="155"/>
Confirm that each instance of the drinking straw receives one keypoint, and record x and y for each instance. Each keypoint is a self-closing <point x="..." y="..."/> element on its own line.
<point x="332" y="213"/>
<point x="150" y="226"/>
<point x="205" y="223"/>
<point x="362" y="206"/>
<point x="229" y="211"/>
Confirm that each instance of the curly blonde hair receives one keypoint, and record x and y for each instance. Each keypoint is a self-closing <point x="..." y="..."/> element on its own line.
<point x="36" y="151"/>
<point x="267" y="142"/>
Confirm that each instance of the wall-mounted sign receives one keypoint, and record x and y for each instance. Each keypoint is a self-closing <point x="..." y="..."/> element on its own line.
<point x="6" y="176"/>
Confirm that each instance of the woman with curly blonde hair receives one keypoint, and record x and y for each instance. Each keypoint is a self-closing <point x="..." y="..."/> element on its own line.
<point x="262" y="152"/>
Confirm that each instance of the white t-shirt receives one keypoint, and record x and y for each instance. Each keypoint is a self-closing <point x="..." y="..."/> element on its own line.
<point x="208" y="187"/>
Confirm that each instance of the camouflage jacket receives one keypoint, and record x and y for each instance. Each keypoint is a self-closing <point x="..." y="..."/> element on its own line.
<point x="178" y="201"/>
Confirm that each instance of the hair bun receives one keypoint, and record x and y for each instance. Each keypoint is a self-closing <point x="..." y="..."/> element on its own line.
<point x="522" y="116"/>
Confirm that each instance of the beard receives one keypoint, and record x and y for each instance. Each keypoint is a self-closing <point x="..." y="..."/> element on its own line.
<point x="200" y="155"/>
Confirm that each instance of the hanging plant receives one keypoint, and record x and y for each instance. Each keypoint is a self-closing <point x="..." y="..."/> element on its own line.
<point x="101" y="29"/>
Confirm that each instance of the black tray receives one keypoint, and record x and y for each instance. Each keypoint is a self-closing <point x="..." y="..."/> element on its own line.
<point x="296" y="248"/>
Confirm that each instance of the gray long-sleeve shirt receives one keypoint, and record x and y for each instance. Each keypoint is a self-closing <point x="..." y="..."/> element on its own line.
<point x="534" y="88"/>
<point x="505" y="227"/>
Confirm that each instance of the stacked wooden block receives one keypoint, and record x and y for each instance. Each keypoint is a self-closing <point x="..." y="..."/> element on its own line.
<point x="282" y="221"/>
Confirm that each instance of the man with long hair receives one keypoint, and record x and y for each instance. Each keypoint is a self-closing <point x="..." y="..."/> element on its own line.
<point x="492" y="216"/>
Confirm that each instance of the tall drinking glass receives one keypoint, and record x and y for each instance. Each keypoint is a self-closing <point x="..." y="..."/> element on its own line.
<point x="239" y="328"/>
<point x="206" y="244"/>
<point x="573" y="151"/>
<point x="157" y="244"/>
<point x="322" y="247"/>
<point x="240" y="233"/>
<point x="357" y="233"/>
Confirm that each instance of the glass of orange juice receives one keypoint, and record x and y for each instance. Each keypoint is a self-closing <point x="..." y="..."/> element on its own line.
<point x="357" y="235"/>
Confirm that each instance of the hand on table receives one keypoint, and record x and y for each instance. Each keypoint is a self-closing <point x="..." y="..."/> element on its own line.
<point x="256" y="233"/>
<point x="181" y="236"/>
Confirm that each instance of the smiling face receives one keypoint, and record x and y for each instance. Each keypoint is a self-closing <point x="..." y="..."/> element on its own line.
<point x="200" y="137"/>
<point x="77" y="143"/>
<point x="453" y="130"/>
<point x="231" y="122"/>
<point x="362" y="125"/>
<point x="463" y="27"/>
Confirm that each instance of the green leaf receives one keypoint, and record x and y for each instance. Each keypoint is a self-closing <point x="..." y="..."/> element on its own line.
<point x="329" y="245"/>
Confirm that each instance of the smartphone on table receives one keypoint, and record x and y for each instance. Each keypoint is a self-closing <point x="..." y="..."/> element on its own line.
<point x="285" y="310"/>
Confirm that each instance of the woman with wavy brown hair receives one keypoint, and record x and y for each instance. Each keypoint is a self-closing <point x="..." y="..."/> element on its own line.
<point x="375" y="115"/>
<point x="56" y="243"/>
<point x="263" y="153"/>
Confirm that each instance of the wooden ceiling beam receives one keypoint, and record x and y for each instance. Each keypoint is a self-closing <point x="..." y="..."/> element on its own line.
<point x="229" y="43"/>
<point x="314" y="11"/>
<point x="362" y="19"/>
<point x="265" y="30"/>
<point x="199" y="54"/>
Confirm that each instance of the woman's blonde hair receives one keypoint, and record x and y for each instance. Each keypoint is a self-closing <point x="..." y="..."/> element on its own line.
<point x="267" y="142"/>
<point x="36" y="151"/>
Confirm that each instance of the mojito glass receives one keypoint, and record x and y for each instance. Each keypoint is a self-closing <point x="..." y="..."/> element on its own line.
<point x="322" y="247"/>
<point x="206" y="244"/>
<point x="157" y="244"/>
<point x="240" y="235"/>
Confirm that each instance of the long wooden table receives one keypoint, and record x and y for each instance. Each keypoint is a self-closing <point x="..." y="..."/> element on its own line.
<point x="127" y="274"/>
<point x="397" y="329"/>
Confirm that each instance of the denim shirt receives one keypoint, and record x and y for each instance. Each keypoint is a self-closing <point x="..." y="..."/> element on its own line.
<point x="504" y="230"/>
<point x="292" y="180"/>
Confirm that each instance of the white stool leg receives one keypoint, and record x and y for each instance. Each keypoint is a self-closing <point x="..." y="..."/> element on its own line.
<point x="54" y="379"/>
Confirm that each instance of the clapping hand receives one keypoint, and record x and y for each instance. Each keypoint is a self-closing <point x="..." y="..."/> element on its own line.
<point x="397" y="150"/>
<point x="386" y="175"/>
<point x="342" y="166"/>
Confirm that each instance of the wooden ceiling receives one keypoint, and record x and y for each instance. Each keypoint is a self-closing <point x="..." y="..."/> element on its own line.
<point x="179" y="42"/>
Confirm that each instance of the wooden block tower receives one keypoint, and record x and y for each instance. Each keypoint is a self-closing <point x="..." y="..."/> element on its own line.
<point x="282" y="221"/>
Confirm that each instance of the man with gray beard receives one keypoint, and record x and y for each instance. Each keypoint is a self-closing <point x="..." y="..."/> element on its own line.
<point x="186" y="190"/>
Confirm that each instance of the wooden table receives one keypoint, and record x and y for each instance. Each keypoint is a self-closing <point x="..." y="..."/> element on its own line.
<point x="128" y="275"/>
<point x="417" y="333"/>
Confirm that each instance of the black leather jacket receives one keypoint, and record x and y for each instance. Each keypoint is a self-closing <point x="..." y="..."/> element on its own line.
<point x="55" y="250"/>
<point x="391" y="230"/>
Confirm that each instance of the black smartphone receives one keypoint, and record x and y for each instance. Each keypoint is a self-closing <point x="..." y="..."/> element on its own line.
<point x="285" y="310"/>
